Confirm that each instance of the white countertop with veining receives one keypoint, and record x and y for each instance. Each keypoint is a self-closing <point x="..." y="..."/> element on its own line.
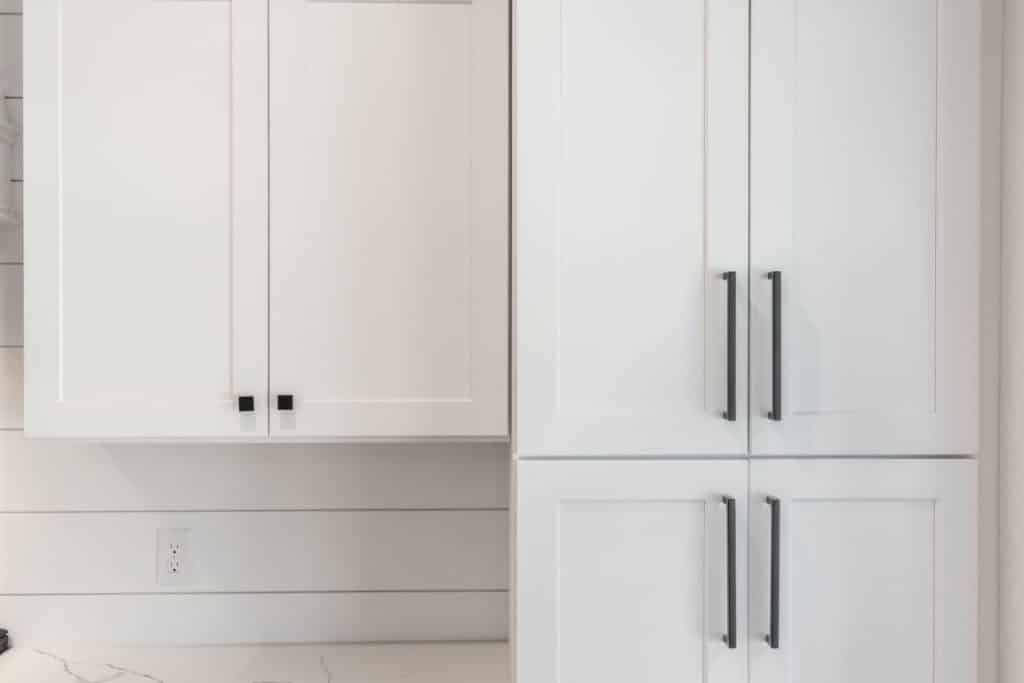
<point x="374" y="663"/>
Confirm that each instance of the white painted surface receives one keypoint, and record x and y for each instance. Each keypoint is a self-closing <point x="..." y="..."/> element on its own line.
<point x="239" y="618"/>
<point x="389" y="218"/>
<point x="631" y="174"/>
<point x="434" y="663"/>
<point x="621" y="571"/>
<point x="12" y="306"/>
<point x="878" y="571"/>
<point x="12" y="372"/>
<point x="253" y="552"/>
<point x="865" y="195"/>
<point x="158" y="335"/>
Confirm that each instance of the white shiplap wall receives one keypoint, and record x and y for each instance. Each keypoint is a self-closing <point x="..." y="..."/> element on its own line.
<point x="289" y="543"/>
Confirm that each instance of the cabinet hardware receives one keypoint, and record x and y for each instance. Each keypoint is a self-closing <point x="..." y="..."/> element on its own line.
<point x="246" y="404"/>
<point x="773" y="619"/>
<point x="730" y="410"/>
<point x="730" y="521"/>
<point x="285" y="402"/>
<point x="776" y="277"/>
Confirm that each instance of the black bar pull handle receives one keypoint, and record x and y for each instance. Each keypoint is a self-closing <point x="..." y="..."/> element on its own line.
<point x="773" y="619"/>
<point x="730" y="382"/>
<point x="776" y="277"/>
<point x="246" y="404"/>
<point x="730" y="521"/>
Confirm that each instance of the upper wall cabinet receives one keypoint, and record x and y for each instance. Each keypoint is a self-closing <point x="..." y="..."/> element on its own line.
<point x="145" y="207"/>
<point x="865" y="202"/>
<point x="389" y="141"/>
<point x="631" y="212"/>
<point x="182" y="282"/>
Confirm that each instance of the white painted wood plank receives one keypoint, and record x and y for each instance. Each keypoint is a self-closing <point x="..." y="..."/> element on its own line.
<point x="15" y="111"/>
<point x="11" y="235"/>
<point x="12" y="306"/>
<point x="69" y="476"/>
<point x="12" y="372"/>
<point x="370" y="663"/>
<point x="10" y="5"/>
<point x="257" y="551"/>
<point x="10" y="52"/>
<point x="247" y="618"/>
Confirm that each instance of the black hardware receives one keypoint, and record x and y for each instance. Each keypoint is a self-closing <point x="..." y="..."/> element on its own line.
<point x="730" y="404"/>
<point x="285" y="402"/>
<point x="773" y="628"/>
<point x="246" y="404"/>
<point x="5" y="642"/>
<point x="776" y="278"/>
<point x="730" y="516"/>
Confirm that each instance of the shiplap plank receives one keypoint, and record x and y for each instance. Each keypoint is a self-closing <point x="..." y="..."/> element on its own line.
<point x="10" y="5"/>
<point x="12" y="372"/>
<point x="12" y="305"/>
<point x="255" y="618"/>
<point x="11" y="247"/>
<point x="15" y="112"/>
<point x="257" y="551"/>
<point x="38" y="475"/>
<point x="10" y="52"/>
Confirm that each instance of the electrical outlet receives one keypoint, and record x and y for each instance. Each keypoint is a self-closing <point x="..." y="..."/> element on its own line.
<point x="174" y="561"/>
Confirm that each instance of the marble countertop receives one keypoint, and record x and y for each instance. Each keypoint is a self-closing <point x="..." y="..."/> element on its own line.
<point x="371" y="663"/>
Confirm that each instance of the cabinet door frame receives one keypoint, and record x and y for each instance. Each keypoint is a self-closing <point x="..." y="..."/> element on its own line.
<point x="542" y="486"/>
<point x="546" y="427"/>
<point x="48" y="413"/>
<point x="949" y="485"/>
<point x="949" y="426"/>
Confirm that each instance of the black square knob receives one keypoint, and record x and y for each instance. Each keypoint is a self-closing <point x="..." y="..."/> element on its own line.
<point x="285" y="402"/>
<point x="246" y="404"/>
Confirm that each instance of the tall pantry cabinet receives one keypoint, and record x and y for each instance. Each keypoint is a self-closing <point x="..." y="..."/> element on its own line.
<point x="746" y="230"/>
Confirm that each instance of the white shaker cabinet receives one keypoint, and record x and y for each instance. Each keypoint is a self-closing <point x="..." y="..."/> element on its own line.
<point x="630" y="207"/>
<point x="623" y="572"/>
<point x="859" y="570"/>
<point x="389" y="217"/>
<point x="145" y="218"/>
<point x="308" y="242"/>
<point x="876" y="573"/>
<point x="865" y="199"/>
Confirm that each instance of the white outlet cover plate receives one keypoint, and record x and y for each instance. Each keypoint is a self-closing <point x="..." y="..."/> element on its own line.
<point x="174" y="557"/>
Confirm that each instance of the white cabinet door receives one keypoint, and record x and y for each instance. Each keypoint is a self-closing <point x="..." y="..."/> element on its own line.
<point x="631" y="204"/>
<point x="622" y="571"/>
<point x="145" y="206"/>
<point x="865" y="197"/>
<point x="389" y="218"/>
<point x="876" y="571"/>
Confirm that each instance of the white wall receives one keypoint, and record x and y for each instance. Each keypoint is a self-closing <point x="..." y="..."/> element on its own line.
<point x="289" y="543"/>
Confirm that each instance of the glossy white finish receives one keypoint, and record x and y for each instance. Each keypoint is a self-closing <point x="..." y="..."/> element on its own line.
<point x="389" y="218"/>
<point x="865" y="194"/>
<point x="146" y="286"/>
<point x="430" y="663"/>
<point x="621" y="571"/>
<point x="878" y="567"/>
<point x="631" y="185"/>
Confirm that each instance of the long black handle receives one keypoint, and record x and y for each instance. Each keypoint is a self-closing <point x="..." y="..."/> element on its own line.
<point x="776" y="277"/>
<point x="730" y="516"/>
<point x="773" y="625"/>
<point x="730" y="345"/>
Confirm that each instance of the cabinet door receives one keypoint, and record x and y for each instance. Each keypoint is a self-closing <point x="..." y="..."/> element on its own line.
<point x="876" y="571"/>
<point x="631" y="205"/>
<point x="389" y="217"/>
<point x="623" y="572"/>
<point x="145" y="200"/>
<point x="864" y="196"/>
